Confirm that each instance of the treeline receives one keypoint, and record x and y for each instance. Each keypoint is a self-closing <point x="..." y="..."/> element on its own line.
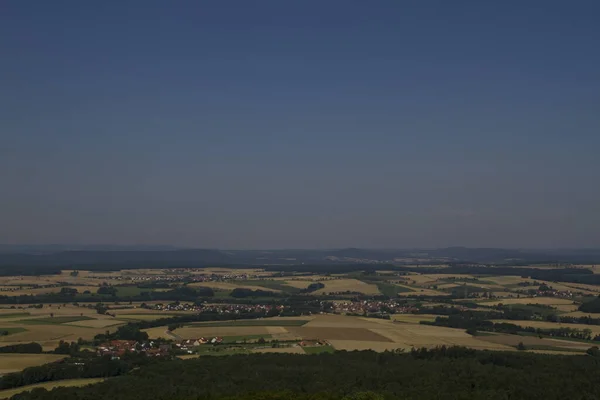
<point x="29" y="271"/>
<point x="75" y="368"/>
<point x="473" y="325"/>
<point x="184" y="293"/>
<point x="573" y="275"/>
<point x="443" y="373"/>
<point x="241" y="293"/>
<point x="592" y="306"/>
<point x="586" y="320"/>
<point x="24" y="348"/>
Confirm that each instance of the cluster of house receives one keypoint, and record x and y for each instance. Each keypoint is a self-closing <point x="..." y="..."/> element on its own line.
<point x="187" y="344"/>
<point x="178" y="275"/>
<point x="551" y="292"/>
<point x="372" y="306"/>
<point x="118" y="348"/>
<point x="219" y="308"/>
<point x="313" y="343"/>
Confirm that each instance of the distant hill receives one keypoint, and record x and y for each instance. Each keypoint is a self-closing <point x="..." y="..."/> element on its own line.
<point x="109" y="257"/>
<point x="122" y="259"/>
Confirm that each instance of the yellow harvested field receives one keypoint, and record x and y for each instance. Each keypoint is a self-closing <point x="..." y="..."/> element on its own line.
<point x="550" y="301"/>
<point x="414" y="335"/>
<point x="507" y="280"/>
<point x="362" y="334"/>
<point x="189" y="332"/>
<point x="193" y="332"/>
<point x="8" y="393"/>
<point x="514" y="340"/>
<point x="45" y="333"/>
<point x="448" y="286"/>
<point x="12" y="362"/>
<point x="342" y="321"/>
<point x="344" y="285"/>
<point x="399" y="335"/>
<point x="293" y="350"/>
<point x="159" y="332"/>
<point x="362" y="345"/>
<point x="580" y="287"/>
<point x="188" y="356"/>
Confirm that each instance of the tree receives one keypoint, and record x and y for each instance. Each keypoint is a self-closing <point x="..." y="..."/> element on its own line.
<point x="67" y="291"/>
<point x="107" y="290"/>
<point x="521" y="346"/>
<point x="101" y="309"/>
<point x="593" y="351"/>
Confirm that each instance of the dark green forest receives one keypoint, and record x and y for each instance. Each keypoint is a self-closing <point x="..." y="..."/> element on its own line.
<point x="443" y="373"/>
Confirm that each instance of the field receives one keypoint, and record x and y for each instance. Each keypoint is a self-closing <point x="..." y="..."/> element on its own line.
<point x="558" y="303"/>
<point x="343" y="332"/>
<point x="293" y="350"/>
<point x="413" y="319"/>
<point x="36" y="325"/>
<point x="16" y="362"/>
<point x="257" y="322"/>
<point x="534" y="341"/>
<point x="12" y="330"/>
<point x="348" y="285"/>
<point x="554" y="325"/>
<point x="232" y="285"/>
<point x="54" y="320"/>
<point x="70" y="320"/>
<point x="6" y="394"/>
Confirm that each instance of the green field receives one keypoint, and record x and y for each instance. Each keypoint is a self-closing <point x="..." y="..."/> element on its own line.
<point x="319" y="349"/>
<point x="253" y="322"/>
<point x="53" y="320"/>
<point x="12" y="330"/>
<point x="277" y="285"/>
<point x="15" y="315"/>
<point x="391" y="290"/>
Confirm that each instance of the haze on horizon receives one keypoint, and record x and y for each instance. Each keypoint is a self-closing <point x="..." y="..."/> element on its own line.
<point x="300" y="124"/>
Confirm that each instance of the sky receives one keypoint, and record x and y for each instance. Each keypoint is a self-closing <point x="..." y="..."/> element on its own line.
<point x="242" y="124"/>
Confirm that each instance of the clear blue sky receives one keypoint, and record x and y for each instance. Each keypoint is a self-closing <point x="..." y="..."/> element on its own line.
<point x="304" y="124"/>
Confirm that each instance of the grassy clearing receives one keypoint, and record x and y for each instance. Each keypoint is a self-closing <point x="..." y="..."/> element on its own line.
<point x="348" y="285"/>
<point x="252" y="322"/>
<point x="318" y="349"/>
<point x="276" y="285"/>
<point x="391" y="290"/>
<point x="13" y="362"/>
<point x="54" y="320"/>
<point x="11" y="330"/>
<point x="8" y="393"/>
